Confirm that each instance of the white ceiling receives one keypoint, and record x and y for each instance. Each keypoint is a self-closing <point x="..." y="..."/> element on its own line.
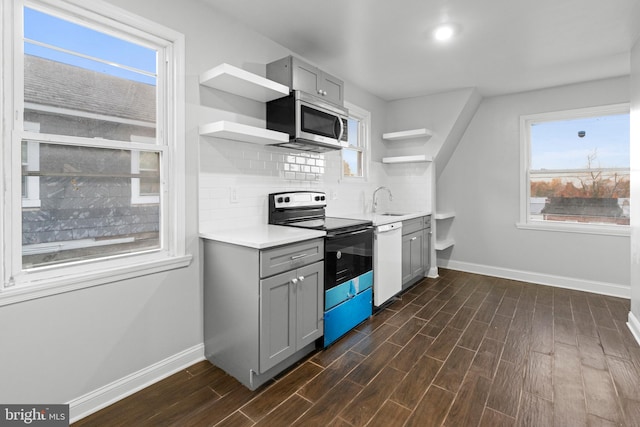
<point x="504" y="46"/>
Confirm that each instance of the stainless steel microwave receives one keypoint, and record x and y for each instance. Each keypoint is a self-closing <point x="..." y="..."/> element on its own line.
<point x="312" y="125"/>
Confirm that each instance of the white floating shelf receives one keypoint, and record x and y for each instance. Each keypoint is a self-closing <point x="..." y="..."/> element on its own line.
<point x="407" y="159"/>
<point x="445" y="215"/>
<point x="407" y="134"/>
<point x="235" y="80"/>
<point x="444" y="244"/>
<point x="244" y="133"/>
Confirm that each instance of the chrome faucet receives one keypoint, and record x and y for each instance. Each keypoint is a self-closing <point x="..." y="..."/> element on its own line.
<point x="375" y="201"/>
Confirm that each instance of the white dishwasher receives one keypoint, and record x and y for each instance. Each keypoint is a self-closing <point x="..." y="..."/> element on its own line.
<point x="387" y="262"/>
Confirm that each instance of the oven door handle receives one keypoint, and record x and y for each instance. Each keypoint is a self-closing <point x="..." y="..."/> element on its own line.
<point x="349" y="233"/>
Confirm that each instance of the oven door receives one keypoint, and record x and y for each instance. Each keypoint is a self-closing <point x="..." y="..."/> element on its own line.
<point x="347" y="255"/>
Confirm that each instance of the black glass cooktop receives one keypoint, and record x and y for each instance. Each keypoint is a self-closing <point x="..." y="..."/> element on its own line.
<point x="331" y="223"/>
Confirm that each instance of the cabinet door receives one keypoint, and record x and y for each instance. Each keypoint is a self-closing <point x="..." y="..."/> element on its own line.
<point x="412" y="256"/>
<point x="406" y="259"/>
<point x="277" y="319"/>
<point x="309" y="291"/>
<point x="332" y="88"/>
<point x="417" y="254"/>
<point x="305" y="77"/>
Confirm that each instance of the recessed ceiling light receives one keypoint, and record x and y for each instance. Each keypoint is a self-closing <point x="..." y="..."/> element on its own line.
<point x="444" y="32"/>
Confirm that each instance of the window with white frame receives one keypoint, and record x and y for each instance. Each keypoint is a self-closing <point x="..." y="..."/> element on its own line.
<point x="88" y="77"/>
<point x="576" y="169"/>
<point x="354" y="156"/>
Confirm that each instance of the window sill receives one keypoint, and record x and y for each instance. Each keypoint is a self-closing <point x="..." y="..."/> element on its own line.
<point x="69" y="283"/>
<point x="605" y="230"/>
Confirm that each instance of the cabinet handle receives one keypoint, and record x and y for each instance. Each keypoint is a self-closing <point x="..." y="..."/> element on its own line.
<point x="413" y="238"/>
<point x="301" y="278"/>
<point x="294" y="257"/>
<point x="319" y="91"/>
<point x="294" y="281"/>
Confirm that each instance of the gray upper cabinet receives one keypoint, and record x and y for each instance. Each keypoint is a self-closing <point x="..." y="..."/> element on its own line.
<point x="299" y="75"/>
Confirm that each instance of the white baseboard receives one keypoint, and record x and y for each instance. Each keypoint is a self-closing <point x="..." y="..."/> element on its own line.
<point x="433" y="273"/>
<point x="119" y="389"/>
<point x="634" y="326"/>
<point x="541" y="279"/>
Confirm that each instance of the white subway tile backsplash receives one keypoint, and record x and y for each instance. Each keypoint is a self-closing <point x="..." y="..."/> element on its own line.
<point x="252" y="172"/>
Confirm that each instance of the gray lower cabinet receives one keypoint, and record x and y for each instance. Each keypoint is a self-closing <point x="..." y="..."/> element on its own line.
<point x="263" y="309"/>
<point x="290" y="313"/>
<point x="416" y="237"/>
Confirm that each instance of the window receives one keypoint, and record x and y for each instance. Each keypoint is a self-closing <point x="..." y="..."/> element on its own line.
<point x="576" y="170"/>
<point x="97" y="164"/>
<point x="354" y="156"/>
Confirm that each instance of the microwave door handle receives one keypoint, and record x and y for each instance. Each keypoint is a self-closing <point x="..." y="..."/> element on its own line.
<point x="341" y="123"/>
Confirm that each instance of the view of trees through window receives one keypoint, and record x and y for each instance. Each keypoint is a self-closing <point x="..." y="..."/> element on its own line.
<point x="580" y="170"/>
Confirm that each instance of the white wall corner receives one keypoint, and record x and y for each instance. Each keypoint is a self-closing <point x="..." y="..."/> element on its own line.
<point x="634" y="326"/>
<point x="104" y="396"/>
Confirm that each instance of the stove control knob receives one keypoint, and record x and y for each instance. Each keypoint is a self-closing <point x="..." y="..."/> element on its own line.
<point x="322" y="197"/>
<point x="279" y="200"/>
<point x="287" y="199"/>
<point x="317" y="198"/>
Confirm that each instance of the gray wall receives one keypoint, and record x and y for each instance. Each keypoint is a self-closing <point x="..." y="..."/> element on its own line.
<point x="481" y="183"/>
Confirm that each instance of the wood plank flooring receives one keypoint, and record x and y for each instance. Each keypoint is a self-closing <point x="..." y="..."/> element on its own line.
<point x="460" y="350"/>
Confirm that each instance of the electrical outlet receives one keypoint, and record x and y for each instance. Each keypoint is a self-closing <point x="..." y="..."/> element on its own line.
<point x="233" y="195"/>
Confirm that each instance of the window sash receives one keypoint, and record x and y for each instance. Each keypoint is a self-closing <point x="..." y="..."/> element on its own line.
<point x="362" y="149"/>
<point x="525" y="220"/>
<point x="19" y="285"/>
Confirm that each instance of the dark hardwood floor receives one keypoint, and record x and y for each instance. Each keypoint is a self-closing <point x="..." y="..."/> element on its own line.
<point x="460" y="350"/>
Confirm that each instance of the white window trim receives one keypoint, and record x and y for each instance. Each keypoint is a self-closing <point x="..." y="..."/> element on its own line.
<point x="18" y="285"/>
<point x="364" y="117"/>
<point x="525" y="190"/>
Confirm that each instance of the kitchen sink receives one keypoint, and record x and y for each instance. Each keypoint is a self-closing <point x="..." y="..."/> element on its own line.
<point x="392" y="214"/>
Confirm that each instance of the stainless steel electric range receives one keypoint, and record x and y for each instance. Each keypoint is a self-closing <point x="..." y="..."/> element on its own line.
<point x="348" y="258"/>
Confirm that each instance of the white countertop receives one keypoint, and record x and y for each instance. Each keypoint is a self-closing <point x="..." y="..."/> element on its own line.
<point x="379" y="219"/>
<point x="262" y="236"/>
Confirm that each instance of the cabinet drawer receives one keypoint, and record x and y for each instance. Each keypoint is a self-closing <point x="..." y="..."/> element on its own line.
<point x="412" y="225"/>
<point x="284" y="258"/>
<point x="427" y="221"/>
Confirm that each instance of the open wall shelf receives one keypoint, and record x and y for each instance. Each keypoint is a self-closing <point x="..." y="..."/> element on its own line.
<point x="407" y="134"/>
<point x="407" y="159"/>
<point x="237" y="81"/>
<point x="244" y="133"/>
